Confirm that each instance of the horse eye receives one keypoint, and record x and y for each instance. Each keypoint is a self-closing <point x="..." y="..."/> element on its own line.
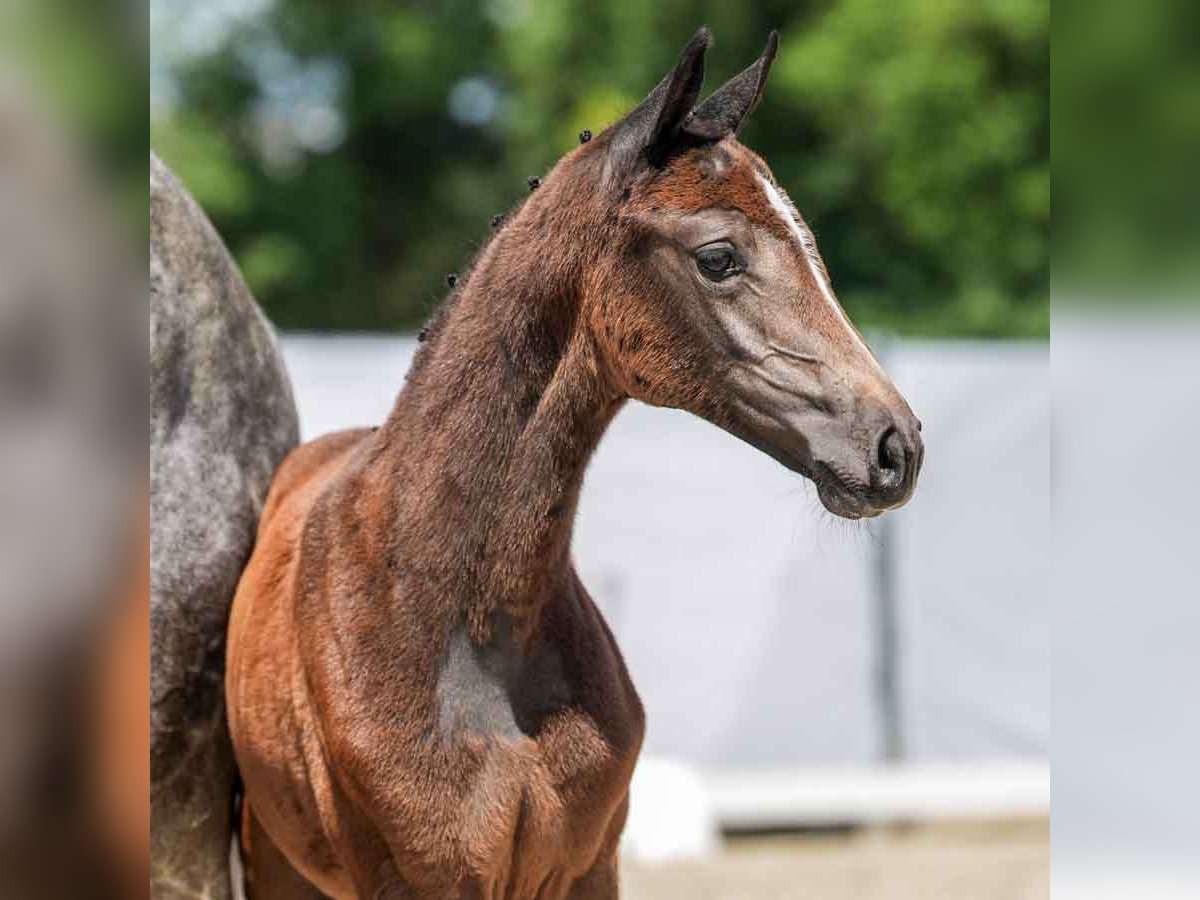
<point x="717" y="261"/>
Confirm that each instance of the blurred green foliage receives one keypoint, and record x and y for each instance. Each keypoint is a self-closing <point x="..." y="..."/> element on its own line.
<point x="353" y="154"/>
<point x="1127" y="151"/>
<point x="87" y="60"/>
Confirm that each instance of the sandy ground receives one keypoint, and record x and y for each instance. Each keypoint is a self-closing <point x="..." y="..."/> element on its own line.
<point x="983" y="861"/>
<point x="992" y="861"/>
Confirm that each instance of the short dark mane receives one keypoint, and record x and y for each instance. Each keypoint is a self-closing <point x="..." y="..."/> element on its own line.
<point x="436" y="322"/>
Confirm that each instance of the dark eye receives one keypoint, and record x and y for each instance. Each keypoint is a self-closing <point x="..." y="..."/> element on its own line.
<point x="717" y="261"/>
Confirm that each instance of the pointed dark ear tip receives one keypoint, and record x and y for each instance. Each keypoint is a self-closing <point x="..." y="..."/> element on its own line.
<point x="767" y="58"/>
<point x="728" y="107"/>
<point x="772" y="45"/>
<point x="656" y="121"/>
<point x="693" y="53"/>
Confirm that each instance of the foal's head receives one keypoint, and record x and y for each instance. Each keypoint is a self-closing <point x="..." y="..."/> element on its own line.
<point x="710" y="296"/>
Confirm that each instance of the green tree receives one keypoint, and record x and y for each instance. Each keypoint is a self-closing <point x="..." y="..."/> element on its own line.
<point x="914" y="136"/>
<point x="87" y="62"/>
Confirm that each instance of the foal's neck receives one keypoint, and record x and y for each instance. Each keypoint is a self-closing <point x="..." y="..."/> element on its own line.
<point x="487" y="444"/>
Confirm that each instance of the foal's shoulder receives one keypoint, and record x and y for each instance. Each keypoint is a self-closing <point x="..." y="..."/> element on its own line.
<point x="309" y="467"/>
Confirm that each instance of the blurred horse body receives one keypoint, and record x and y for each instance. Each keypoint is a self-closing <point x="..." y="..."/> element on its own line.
<point x="423" y="699"/>
<point x="72" y="490"/>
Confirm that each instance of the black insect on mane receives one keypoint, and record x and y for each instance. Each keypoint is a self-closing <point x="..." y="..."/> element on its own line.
<point x="457" y="282"/>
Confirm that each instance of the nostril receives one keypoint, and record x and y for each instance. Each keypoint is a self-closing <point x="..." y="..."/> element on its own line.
<point x="890" y="457"/>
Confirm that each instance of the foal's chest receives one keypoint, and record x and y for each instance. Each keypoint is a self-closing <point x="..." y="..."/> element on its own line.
<point x="493" y="690"/>
<point x="537" y="816"/>
<point x="549" y="741"/>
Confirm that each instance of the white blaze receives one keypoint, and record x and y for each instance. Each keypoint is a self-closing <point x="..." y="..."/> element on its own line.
<point x="808" y="244"/>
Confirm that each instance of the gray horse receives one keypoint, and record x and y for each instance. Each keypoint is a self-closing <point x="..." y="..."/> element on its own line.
<point x="221" y="419"/>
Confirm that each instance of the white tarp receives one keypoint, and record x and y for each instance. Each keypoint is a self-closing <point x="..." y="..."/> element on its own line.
<point x="973" y="552"/>
<point x="748" y="615"/>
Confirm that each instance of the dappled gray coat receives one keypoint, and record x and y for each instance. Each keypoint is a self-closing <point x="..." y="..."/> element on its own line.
<point x="222" y="417"/>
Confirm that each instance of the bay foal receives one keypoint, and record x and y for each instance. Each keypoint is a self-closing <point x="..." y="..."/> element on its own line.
<point x="424" y="701"/>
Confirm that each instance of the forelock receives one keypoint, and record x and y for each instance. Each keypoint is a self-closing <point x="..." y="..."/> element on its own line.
<point x="723" y="175"/>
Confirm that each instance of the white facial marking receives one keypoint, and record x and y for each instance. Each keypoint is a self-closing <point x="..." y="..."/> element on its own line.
<point x="782" y="205"/>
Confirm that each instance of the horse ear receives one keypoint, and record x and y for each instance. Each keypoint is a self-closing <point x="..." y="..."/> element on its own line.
<point x="729" y="106"/>
<point x="654" y="124"/>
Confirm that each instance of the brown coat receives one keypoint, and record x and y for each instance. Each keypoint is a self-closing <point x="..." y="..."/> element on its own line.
<point x="424" y="701"/>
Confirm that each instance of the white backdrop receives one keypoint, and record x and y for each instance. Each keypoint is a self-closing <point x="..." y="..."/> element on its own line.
<point x="974" y="553"/>
<point x="748" y="615"/>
